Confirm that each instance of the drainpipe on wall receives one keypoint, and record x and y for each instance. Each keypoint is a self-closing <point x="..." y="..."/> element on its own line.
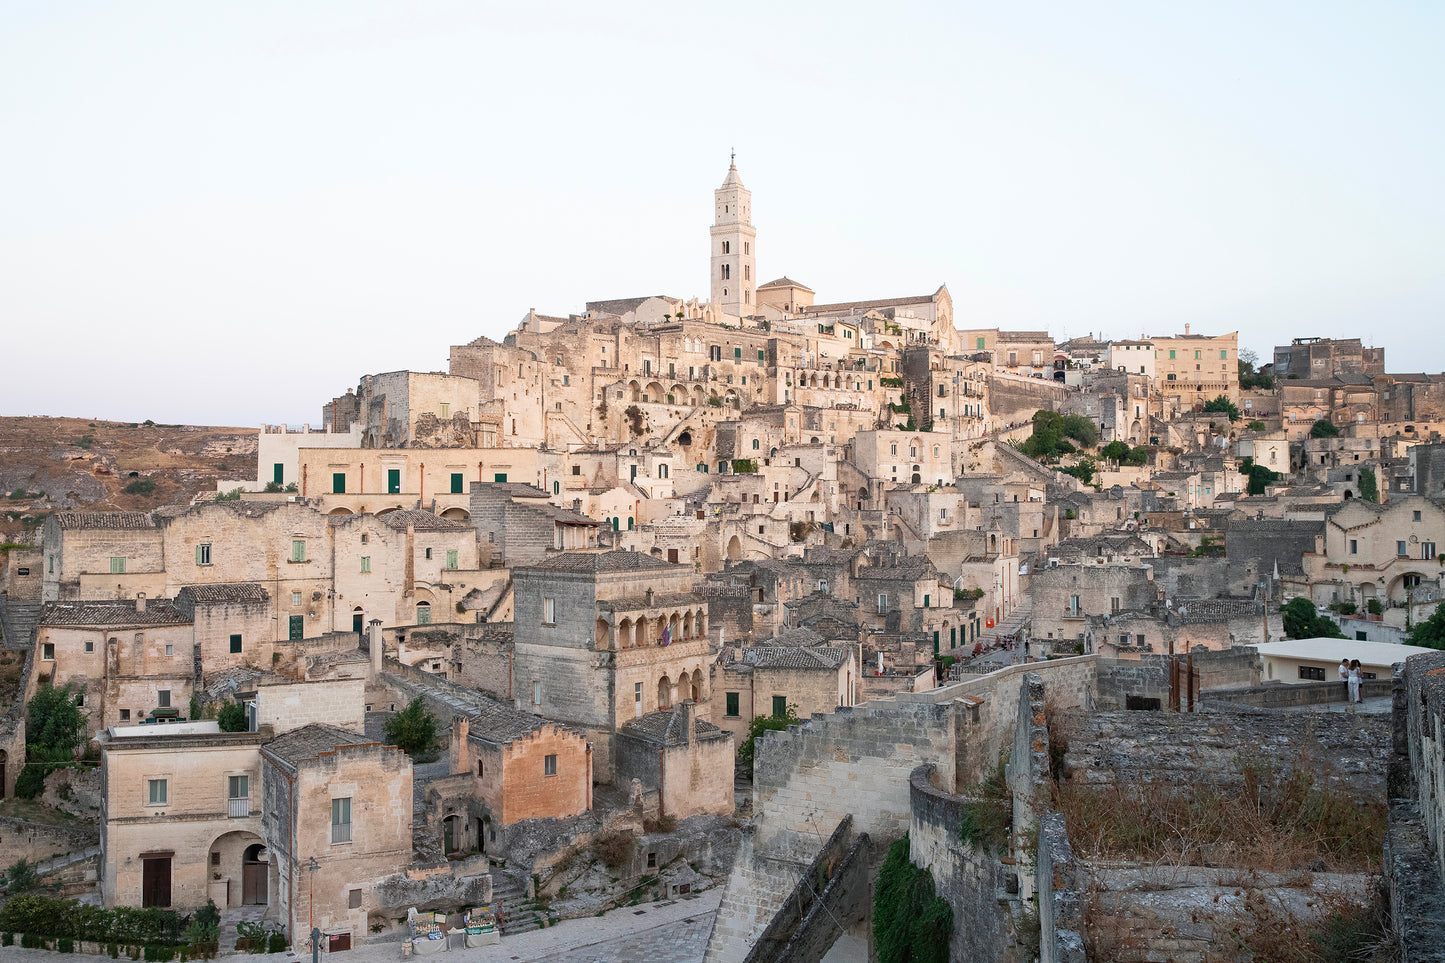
<point x="661" y="782"/>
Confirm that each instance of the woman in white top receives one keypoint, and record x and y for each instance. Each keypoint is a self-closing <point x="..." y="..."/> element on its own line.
<point x="1354" y="681"/>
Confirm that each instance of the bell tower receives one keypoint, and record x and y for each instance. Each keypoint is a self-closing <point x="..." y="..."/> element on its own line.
<point x="734" y="247"/>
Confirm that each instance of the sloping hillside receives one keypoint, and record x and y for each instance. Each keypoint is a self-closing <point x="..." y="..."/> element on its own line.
<point x="48" y="464"/>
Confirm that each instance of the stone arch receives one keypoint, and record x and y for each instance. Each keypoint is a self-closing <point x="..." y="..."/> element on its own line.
<point x="687" y="625"/>
<point x="685" y="438"/>
<point x="696" y="685"/>
<point x="454" y="834"/>
<point x="675" y="624"/>
<point x="639" y="631"/>
<point x="699" y="623"/>
<point x="457" y="514"/>
<point x="664" y="692"/>
<point x="624" y="634"/>
<point x="653" y="392"/>
<point x="698" y="397"/>
<point x="635" y="390"/>
<point x="677" y="394"/>
<point x="242" y="858"/>
<point x="340" y="511"/>
<point x="735" y="549"/>
<point x="602" y="634"/>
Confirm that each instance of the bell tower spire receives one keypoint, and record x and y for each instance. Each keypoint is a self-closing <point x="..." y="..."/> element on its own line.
<point x="734" y="246"/>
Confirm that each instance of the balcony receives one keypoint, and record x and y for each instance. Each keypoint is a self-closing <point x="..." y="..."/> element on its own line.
<point x="240" y="808"/>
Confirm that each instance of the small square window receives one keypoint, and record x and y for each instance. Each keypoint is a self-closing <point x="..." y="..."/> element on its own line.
<point x="125" y="715"/>
<point x="47" y="651"/>
<point x="163" y="698"/>
<point x="170" y="649"/>
<point x="235" y="644"/>
<point x="156" y="792"/>
<point x="295" y="598"/>
<point x="90" y="646"/>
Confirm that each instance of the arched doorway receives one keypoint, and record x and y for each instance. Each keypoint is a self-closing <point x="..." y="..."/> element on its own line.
<point x="484" y="831"/>
<point x="253" y="875"/>
<point x="696" y="685"/>
<point x="735" y="549"/>
<point x="240" y="859"/>
<point x="452" y="834"/>
<point x="358" y="620"/>
<point x="664" y="693"/>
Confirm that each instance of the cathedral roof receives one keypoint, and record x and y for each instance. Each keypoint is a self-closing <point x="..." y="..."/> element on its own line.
<point x="786" y="282"/>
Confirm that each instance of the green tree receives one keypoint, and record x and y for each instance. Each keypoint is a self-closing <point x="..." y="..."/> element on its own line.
<point x="911" y="923"/>
<point x="1369" y="487"/>
<point x="232" y="717"/>
<point x="1115" y="451"/>
<point x="54" y="722"/>
<point x="1083" y="471"/>
<point x="1431" y="632"/>
<point x="54" y="729"/>
<point x="413" y="730"/>
<point x="1324" y="428"/>
<point x="21" y="877"/>
<point x="1303" y="621"/>
<point x="1256" y="426"/>
<point x="1222" y="405"/>
<point x="1259" y="477"/>
<point x="760" y="725"/>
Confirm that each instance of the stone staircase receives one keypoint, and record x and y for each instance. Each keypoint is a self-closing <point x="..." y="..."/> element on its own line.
<point x="1017" y="619"/>
<point x="519" y="914"/>
<point x="18" y="619"/>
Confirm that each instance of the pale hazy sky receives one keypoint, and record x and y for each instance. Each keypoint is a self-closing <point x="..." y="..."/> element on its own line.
<point x="226" y="213"/>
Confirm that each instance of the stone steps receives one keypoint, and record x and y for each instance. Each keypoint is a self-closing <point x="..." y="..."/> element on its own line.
<point x="18" y="619"/>
<point x="519" y="915"/>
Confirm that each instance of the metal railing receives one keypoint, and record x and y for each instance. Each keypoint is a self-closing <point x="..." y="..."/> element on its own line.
<point x="240" y="807"/>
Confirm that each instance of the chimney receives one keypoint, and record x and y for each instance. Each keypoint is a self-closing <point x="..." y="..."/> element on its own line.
<point x="689" y="718"/>
<point x="1186" y="328"/>
<point x="461" y="756"/>
<point x="377" y="647"/>
<point x="140" y="602"/>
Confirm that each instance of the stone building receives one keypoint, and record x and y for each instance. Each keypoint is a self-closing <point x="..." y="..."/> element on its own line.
<point x="1194" y="368"/>
<point x="129" y="661"/>
<point x="181" y="817"/>
<point x="337" y="818"/>
<point x="767" y="679"/>
<point x="685" y="760"/>
<point x="1311" y="358"/>
<point x="606" y="637"/>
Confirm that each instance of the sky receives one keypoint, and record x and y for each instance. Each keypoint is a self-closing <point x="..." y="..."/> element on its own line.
<point x="228" y="213"/>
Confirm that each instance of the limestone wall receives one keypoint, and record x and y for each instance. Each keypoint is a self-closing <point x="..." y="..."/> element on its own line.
<point x="21" y="839"/>
<point x="1347" y="751"/>
<point x="968" y="878"/>
<point x="1415" y="844"/>
<point x="854" y="761"/>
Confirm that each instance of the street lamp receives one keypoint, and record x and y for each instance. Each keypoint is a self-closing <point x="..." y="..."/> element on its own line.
<point x="311" y="867"/>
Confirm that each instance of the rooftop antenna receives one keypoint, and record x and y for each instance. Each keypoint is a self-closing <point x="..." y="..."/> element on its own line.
<point x="733" y="157"/>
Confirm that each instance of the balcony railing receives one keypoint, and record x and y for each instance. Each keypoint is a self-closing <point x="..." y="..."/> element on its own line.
<point x="240" y="808"/>
<point x="341" y="832"/>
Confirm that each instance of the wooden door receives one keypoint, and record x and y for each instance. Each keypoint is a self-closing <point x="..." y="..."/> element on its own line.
<point x="356" y="619"/>
<point x="253" y="884"/>
<point x="156" y="881"/>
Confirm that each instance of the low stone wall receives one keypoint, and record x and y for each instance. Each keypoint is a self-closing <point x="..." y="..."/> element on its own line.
<point x="1347" y="751"/>
<point x="1059" y="883"/>
<point x="855" y="761"/>
<point x="1299" y="695"/>
<point x="802" y="902"/>
<point x="969" y="879"/>
<point x="1182" y="914"/>
<point x="1415" y="844"/>
<point x="1147" y="676"/>
<point x="22" y="839"/>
